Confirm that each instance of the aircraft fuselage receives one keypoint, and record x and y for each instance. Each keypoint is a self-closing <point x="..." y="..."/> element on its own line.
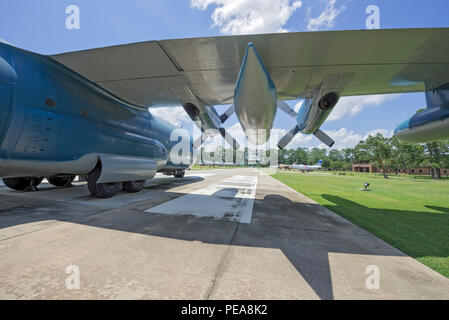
<point x="53" y="121"/>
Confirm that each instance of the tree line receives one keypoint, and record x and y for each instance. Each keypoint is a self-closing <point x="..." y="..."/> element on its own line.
<point x="386" y="154"/>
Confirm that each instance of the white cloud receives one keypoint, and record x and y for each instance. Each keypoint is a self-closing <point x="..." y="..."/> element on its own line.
<point x="326" y="19"/>
<point x="350" y="106"/>
<point x="249" y="16"/>
<point x="175" y="115"/>
<point x="345" y="138"/>
<point x="384" y="132"/>
<point x="238" y="134"/>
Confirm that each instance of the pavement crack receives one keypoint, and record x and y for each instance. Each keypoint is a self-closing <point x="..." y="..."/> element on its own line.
<point x="221" y="266"/>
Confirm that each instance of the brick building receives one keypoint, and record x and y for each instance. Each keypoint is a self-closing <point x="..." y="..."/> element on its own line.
<point x="368" y="167"/>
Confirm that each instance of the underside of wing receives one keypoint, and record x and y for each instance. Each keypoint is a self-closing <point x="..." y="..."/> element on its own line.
<point x="170" y="72"/>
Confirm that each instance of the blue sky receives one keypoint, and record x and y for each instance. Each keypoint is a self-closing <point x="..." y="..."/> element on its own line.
<point x="40" y="26"/>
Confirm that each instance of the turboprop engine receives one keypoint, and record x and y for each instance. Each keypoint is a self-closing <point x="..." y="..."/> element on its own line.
<point x="430" y="124"/>
<point x="209" y="122"/>
<point x="311" y="116"/>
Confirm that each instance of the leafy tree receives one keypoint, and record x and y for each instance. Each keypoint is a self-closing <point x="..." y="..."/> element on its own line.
<point x="380" y="150"/>
<point x="316" y="155"/>
<point x="301" y="155"/>
<point x="337" y="165"/>
<point x="336" y="155"/>
<point x="436" y="156"/>
<point x="348" y="155"/>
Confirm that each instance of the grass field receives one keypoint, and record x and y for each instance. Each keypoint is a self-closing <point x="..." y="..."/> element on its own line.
<point x="412" y="215"/>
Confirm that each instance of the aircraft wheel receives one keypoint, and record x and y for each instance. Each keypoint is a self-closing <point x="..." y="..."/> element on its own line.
<point x="180" y="174"/>
<point x="134" y="186"/>
<point x="101" y="190"/>
<point x="21" y="184"/>
<point x="61" y="181"/>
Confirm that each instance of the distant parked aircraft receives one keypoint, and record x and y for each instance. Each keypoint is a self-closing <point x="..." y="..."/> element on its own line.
<point x="304" y="167"/>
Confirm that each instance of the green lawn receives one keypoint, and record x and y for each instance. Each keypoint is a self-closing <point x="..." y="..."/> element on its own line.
<point x="412" y="215"/>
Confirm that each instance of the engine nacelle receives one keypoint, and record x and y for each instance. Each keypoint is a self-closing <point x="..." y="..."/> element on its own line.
<point x="315" y="111"/>
<point x="205" y="117"/>
<point x="429" y="125"/>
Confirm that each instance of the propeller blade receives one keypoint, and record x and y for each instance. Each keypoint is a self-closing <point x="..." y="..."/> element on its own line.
<point x="229" y="139"/>
<point x="227" y="114"/>
<point x="287" y="109"/>
<point x="288" y="137"/>
<point x="324" y="138"/>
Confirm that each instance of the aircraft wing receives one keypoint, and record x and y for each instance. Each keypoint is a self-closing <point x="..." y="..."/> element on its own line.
<point x="364" y="62"/>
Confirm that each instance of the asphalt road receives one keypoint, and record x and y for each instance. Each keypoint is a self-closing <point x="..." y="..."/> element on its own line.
<point x="216" y="234"/>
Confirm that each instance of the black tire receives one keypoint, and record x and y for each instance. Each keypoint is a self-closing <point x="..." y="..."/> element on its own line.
<point x="61" y="181"/>
<point x="101" y="190"/>
<point x="180" y="174"/>
<point x="134" y="186"/>
<point x="21" y="184"/>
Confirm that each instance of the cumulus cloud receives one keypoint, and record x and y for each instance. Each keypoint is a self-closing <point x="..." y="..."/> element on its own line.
<point x="384" y="132"/>
<point x="345" y="138"/>
<point x="249" y="16"/>
<point x="175" y="115"/>
<point x="350" y="106"/>
<point x="326" y="19"/>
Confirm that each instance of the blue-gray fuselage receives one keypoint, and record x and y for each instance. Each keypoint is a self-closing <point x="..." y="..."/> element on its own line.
<point x="52" y="118"/>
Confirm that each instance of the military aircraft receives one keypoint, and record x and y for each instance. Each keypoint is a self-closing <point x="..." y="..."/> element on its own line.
<point x="89" y="112"/>
<point x="305" y="167"/>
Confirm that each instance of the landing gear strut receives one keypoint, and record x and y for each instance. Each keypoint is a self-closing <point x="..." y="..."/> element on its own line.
<point x="22" y="184"/>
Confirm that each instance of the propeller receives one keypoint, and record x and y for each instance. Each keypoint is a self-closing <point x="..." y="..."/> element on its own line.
<point x="285" y="140"/>
<point x="227" y="113"/>
<point x="228" y="138"/>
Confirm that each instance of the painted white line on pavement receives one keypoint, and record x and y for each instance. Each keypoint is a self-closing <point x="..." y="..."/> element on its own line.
<point x="231" y="199"/>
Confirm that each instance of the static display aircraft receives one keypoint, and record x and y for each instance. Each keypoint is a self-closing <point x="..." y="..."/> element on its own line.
<point x="87" y="112"/>
<point x="305" y="167"/>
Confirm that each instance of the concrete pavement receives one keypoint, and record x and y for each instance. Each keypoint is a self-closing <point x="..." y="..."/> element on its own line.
<point x="216" y="234"/>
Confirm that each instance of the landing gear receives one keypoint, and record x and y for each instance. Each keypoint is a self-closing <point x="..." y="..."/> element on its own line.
<point x="22" y="184"/>
<point x="61" y="181"/>
<point x="179" y="174"/>
<point x="101" y="190"/>
<point x="134" y="186"/>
